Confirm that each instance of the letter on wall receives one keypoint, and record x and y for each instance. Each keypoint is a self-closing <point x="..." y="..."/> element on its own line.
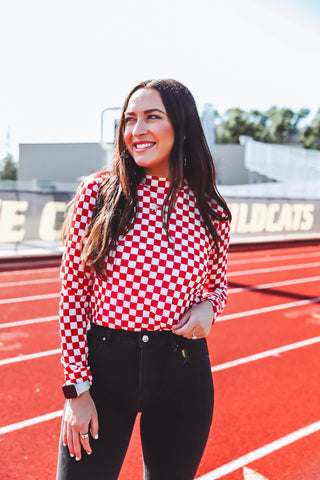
<point x="48" y="229"/>
<point x="12" y="219"/>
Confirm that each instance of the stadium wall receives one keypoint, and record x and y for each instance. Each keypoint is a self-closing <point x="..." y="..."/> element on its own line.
<point x="27" y="215"/>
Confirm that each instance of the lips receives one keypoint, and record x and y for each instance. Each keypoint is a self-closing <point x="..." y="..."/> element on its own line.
<point x="143" y="146"/>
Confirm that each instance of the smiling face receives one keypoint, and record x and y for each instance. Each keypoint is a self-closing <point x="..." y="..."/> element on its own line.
<point x="148" y="132"/>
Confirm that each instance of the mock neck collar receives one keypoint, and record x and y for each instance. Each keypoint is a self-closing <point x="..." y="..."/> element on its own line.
<point x="155" y="183"/>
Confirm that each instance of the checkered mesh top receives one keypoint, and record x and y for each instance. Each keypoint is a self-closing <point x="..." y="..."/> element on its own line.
<point x="148" y="285"/>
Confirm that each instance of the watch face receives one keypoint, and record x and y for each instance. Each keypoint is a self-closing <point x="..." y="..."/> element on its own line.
<point x="69" y="391"/>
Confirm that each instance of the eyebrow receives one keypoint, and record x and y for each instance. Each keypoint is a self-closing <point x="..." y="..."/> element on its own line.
<point x="147" y="111"/>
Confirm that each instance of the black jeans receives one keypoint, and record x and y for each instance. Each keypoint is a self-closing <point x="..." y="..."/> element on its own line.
<point x="164" y="376"/>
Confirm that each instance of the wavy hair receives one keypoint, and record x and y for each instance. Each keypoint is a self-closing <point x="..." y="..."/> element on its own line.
<point x="190" y="158"/>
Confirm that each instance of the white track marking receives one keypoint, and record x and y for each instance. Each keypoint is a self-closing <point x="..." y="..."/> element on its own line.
<point x="274" y="284"/>
<point x="231" y="275"/>
<point x="35" y="271"/>
<point x="31" y="356"/>
<point x="32" y="321"/>
<point x="273" y="308"/>
<point x="30" y="421"/>
<point x="43" y="418"/>
<point x="231" y="291"/>
<point x="215" y="368"/>
<point x="261" y="452"/>
<point x="30" y="282"/>
<point x="267" y="285"/>
<point x="273" y="259"/>
<point x="265" y="354"/>
<point x="273" y="269"/>
<point x="29" y="299"/>
<point x="249" y="474"/>
<point x="221" y="318"/>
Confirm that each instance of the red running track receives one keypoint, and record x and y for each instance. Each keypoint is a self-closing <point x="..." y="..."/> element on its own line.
<point x="267" y="410"/>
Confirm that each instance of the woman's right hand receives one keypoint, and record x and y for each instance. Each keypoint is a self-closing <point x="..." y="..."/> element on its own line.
<point x="80" y="412"/>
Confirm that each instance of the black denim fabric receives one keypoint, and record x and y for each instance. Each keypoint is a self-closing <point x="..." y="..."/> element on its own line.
<point x="168" y="379"/>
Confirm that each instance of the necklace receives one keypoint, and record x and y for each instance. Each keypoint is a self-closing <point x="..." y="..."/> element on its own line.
<point x="156" y="195"/>
<point x="154" y="205"/>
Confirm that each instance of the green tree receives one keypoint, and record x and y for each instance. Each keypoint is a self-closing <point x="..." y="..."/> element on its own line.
<point x="274" y="126"/>
<point x="310" y="136"/>
<point x="9" y="169"/>
<point x="233" y="124"/>
<point x="259" y="125"/>
<point x="284" y="123"/>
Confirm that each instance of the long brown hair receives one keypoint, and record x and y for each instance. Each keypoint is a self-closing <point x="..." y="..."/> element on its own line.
<point x="190" y="158"/>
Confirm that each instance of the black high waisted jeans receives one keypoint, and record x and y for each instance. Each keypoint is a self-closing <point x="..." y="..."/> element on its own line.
<point x="164" y="376"/>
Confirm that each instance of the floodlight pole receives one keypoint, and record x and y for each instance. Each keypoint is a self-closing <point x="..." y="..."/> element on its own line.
<point x="108" y="109"/>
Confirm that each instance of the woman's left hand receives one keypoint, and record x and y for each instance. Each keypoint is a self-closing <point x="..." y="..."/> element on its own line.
<point x="196" y="322"/>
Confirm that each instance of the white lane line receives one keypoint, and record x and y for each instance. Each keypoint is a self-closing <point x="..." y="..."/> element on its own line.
<point x="231" y="291"/>
<point x="31" y="356"/>
<point x="231" y="275"/>
<point x="273" y="269"/>
<point x="215" y="368"/>
<point x="273" y="308"/>
<point x="37" y="297"/>
<point x="265" y="354"/>
<point x="30" y="421"/>
<point x="35" y="271"/>
<point x="221" y="318"/>
<point x="57" y="280"/>
<point x="261" y="452"/>
<point x="30" y="282"/>
<point x="272" y="259"/>
<point x="31" y="321"/>
<point x="29" y="299"/>
<point x="274" y="284"/>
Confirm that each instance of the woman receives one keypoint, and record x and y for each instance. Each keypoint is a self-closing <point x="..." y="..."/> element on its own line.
<point x="143" y="278"/>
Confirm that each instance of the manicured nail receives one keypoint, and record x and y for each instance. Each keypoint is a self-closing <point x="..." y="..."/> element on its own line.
<point x="71" y="455"/>
<point x="64" y="445"/>
<point x="89" y="453"/>
<point x="77" y="458"/>
<point x="96" y="437"/>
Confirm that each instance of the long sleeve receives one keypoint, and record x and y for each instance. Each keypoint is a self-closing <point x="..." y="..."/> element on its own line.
<point x="216" y="286"/>
<point x="76" y="287"/>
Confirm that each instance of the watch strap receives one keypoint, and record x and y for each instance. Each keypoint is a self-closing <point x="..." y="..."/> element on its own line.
<point x="82" y="387"/>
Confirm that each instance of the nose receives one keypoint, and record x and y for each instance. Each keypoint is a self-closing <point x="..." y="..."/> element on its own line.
<point x="140" y="127"/>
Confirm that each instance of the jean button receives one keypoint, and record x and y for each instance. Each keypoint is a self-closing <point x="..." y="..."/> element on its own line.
<point x="145" y="338"/>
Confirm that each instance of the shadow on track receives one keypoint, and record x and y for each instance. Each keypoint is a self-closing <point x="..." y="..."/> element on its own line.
<point x="272" y="291"/>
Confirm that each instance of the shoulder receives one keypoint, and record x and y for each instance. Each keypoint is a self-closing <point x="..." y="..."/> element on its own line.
<point x="90" y="186"/>
<point x="94" y="181"/>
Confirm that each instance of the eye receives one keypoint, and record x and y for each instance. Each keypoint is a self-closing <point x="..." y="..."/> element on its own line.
<point x="153" y="116"/>
<point x="128" y="120"/>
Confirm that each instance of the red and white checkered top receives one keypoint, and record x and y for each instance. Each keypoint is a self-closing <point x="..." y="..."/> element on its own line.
<point x="149" y="286"/>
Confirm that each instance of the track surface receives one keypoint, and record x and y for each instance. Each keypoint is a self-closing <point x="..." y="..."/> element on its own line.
<point x="267" y="408"/>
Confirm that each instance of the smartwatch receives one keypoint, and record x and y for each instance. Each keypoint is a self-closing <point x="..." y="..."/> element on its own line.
<point x="73" y="390"/>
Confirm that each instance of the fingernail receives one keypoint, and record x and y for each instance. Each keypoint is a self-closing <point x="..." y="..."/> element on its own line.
<point x="77" y="458"/>
<point x="71" y="455"/>
<point x="96" y="437"/>
<point x="64" y="445"/>
<point x="89" y="453"/>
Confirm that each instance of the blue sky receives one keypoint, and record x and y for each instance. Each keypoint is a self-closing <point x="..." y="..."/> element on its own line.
<point x="63" y="62"/>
